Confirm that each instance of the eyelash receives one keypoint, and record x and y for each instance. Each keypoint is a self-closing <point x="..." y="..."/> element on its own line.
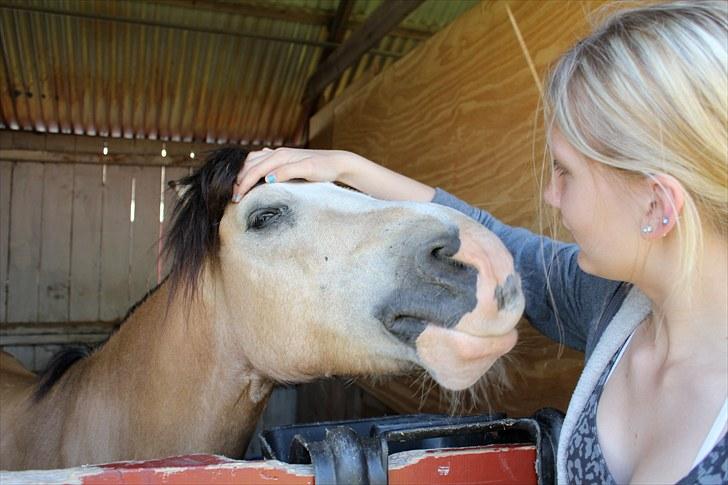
<point x="559" y="169"/>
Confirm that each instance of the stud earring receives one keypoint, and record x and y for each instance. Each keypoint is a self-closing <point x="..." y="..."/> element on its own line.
<point x="665" y="220"/>
<point x="647" y="229"/>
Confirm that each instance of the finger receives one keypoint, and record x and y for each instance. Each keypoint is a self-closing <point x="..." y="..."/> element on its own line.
<point x="253" y="158"/>
<point x="260" y="169"/>
<point x="251" y="161"/>
<point x="299" y="169"/>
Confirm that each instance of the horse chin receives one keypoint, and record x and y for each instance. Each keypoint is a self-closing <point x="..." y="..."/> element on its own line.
<point x="457" y="360"/>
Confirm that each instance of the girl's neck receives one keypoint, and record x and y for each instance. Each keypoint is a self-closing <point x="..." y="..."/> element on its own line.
<point x="693" y="322"/>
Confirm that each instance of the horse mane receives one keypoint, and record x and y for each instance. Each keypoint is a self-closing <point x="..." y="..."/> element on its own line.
<point x="193" y="234"/>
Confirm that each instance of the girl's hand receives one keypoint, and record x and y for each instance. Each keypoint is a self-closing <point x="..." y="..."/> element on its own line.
<point x="284" y="164"/>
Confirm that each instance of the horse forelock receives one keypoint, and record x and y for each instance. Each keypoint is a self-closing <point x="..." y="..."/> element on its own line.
<point x="193" y="235"/>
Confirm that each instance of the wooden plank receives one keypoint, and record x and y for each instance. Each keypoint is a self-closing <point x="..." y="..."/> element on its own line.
<point x="116" y="243"/>
<point x="152" y="159"/>
<point x="170" y="200"/>
<point x="465" y="466"/>
<point x="86" y="242"/>
<point x="55" y="252"/>
<point x="46" y="333"/>
<point x="145" y="232"/>
<point x="24" y="243"/>
<point x="6" y="174"/>
<point x="16" y="146"/>
<point x="182" y="470"/>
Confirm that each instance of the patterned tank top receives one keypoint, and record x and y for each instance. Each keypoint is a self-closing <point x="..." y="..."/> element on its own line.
<point x="585" y="463"/>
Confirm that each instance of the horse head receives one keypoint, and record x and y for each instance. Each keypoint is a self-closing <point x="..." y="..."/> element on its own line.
<point x="314" y="279"/>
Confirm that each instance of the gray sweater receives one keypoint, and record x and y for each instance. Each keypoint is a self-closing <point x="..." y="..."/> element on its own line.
<point x="583" y="311"/>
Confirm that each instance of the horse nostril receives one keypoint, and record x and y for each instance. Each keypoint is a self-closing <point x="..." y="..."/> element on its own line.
<point x="437" y="253"/>
<point x="507" y="293"/>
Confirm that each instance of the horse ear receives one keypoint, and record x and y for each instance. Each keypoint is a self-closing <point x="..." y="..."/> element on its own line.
<point x="179" y="188"/>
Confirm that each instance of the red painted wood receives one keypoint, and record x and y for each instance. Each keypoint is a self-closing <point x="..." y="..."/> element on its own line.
<point x="207" y="469"/>
<point x="465" y="466"/>
<point x="501" y="464"/>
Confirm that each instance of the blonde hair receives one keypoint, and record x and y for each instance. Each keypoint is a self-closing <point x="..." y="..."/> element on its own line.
<point x="647" y="93"/>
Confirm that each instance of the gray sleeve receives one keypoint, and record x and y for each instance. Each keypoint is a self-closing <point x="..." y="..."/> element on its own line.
<point x="562" y="301"/>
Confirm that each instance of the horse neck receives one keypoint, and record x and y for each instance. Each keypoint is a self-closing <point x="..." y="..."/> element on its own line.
<point x="180" y="377"/>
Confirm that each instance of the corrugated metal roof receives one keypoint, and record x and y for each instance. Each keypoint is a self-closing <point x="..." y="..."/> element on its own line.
<point x="189" y="70"/>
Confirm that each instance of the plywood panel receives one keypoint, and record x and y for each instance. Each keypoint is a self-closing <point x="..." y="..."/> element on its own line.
<point x="55" y="253"/>
<point x="86" y="242"/>
<point x="24" y="242"/>
<point x="461" y="111"/>
<point x="6" y="173"/>
<point x="116" y="243"/>
<point x="145" y="231"/>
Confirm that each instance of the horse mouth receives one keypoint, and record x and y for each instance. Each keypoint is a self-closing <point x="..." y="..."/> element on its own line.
<point x="455" y="359"/>
<point x="407" y="325"/>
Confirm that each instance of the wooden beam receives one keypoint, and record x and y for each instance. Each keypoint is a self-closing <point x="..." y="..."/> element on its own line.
<point x="49" y="333"/>
<point x="21" y="146"/>
<point x="337" y="31"/>
<point x="338" y="26"/>
<point x="386" y="17"/>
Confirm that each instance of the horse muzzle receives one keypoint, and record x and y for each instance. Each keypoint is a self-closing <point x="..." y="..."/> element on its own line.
<point x="458" y="304"/>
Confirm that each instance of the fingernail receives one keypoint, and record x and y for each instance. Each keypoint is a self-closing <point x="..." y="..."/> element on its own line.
<point x="270" y="178"/>
<point x="237" y="197"/>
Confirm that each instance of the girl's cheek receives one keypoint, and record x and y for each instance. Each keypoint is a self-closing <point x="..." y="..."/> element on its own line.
<point x="553" y="193"/>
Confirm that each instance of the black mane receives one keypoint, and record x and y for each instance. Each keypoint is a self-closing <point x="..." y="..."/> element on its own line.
<point x="193" y="234"/>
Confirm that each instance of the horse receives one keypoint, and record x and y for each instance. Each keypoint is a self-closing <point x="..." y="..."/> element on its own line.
<point x="297" y="281"/>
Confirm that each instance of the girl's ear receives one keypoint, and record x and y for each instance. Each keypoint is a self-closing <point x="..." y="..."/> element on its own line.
<point x="667" y="196"/>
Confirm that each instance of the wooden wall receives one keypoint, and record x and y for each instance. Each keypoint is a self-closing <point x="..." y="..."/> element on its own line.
<point x="79" y="244"/>
<point x="461" y="112"/>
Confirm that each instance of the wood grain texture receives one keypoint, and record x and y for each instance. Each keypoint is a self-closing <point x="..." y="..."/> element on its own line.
<point x="145" y="232"/>
<point x="24" y="242"/>
<point x="53" y="290"/>
<point x="116" y="243"/>
<point x="6" y="174"/>
<point x="462" y="112"/>
<point x="86" y="242"/>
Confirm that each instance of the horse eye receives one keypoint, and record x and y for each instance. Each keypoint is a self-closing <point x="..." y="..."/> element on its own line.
<point x="260" y="218"/>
